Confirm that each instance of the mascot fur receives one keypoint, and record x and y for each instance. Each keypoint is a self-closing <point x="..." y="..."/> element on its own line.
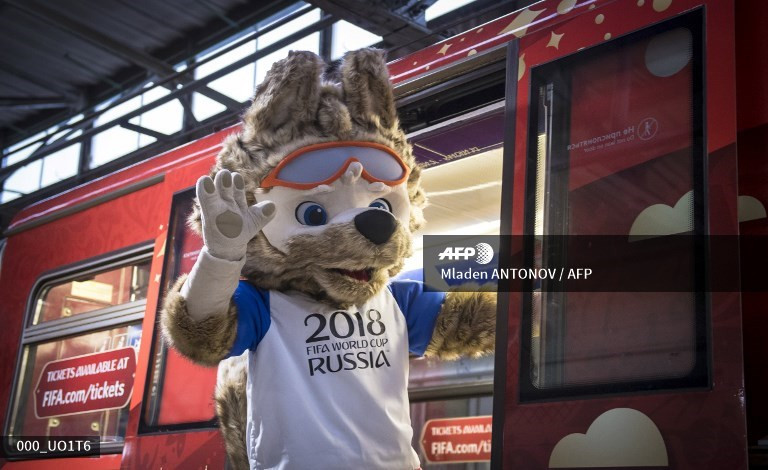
<point x="313" y="204"/>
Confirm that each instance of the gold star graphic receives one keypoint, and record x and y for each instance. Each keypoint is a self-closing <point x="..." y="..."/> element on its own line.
<point x="520" y="67"/>
<point x="661" y="5"/>
<point x="519" y="26"/>
<point x="554" y="40"/>
<point x="443" y="50"/>
<point x="565" y="6"/>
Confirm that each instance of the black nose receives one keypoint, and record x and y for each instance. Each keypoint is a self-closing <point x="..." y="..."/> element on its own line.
<point x="376" y="225"/>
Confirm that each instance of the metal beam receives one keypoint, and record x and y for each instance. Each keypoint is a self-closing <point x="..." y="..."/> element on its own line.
<point x="219" y="12"/>
<point x="92" y="36"/>
<point x="230" y="103"/>
<point x="17" y="102"/>
<point x="465" y="18"/>
<point x="395" y="29"/>
<point x="106" y="43"/>
<point x="11" y="69"/>
<point x="88" y="67"/>
<point x="144" y="130"/>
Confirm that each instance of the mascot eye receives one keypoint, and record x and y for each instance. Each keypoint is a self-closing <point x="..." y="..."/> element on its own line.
<point x="381" y="204"/>
<point x="311" y="213"/>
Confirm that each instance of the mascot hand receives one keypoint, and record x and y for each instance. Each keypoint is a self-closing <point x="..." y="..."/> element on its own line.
<point x="228" y="222"/>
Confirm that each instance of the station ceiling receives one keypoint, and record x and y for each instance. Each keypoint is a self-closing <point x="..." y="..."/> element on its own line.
<point x="58" y="57"/>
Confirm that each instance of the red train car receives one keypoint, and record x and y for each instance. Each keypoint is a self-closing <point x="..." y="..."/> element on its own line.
<point x="571" y="117"/>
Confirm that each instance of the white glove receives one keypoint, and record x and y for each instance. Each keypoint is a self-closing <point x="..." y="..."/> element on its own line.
<point x="228" y="222"/>
<point x="228" y="226"/>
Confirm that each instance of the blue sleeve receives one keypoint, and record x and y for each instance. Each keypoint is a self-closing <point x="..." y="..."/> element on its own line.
<point x="420" y="308"/>
<point x="252" y="317"/>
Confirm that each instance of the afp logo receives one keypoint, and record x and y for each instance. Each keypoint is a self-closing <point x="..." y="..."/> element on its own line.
<point x="482" y="253"/>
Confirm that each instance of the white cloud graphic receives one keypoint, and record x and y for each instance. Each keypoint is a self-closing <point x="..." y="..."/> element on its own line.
<point x="667" y="53"/>
<point x="750" y="209"/>
<point x="621" y="437"/>
<point x="660" y="219"/>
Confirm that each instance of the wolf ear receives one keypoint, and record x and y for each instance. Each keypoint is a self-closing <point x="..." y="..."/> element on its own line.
<point x="367" y="90"/>
<point x="288" y="96"/>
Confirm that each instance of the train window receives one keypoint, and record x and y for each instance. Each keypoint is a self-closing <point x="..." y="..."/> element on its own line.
<point x="446" y="440"/>
<point x="616" y="148"/>
<point x="78" y="357"/>
<point x="90" y="292"/>
<point x="172" y="405"/>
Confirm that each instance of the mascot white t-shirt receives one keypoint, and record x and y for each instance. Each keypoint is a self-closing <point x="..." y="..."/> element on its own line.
<point x="327" y="388"/>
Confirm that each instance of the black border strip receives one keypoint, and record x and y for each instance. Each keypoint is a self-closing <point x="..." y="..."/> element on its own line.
<point x="505" y="255"/>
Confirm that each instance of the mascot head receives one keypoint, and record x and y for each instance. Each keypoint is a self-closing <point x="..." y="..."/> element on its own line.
<point x="324" y="144"/>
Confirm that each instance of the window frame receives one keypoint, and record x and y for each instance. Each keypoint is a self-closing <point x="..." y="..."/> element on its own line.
<point x="145" y="427"/>
<point x="700" y="376"/>
<point x="78" y="325"/>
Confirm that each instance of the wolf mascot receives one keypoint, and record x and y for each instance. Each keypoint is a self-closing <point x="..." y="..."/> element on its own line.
<point x="313" y="204"/>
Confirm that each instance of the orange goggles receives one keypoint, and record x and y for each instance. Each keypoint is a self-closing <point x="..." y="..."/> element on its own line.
<point x="313" y="165"/>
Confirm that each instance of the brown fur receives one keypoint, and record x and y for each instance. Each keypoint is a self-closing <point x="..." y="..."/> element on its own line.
<point x="206" y="341"/>
<point x="232" y="408"/>
<point x="466" y="326"/>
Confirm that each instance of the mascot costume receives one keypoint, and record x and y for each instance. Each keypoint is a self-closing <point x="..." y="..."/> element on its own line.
<point x="307" y="215"/>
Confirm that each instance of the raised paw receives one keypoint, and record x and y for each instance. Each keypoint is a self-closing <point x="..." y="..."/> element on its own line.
<point x="228" y="222"/>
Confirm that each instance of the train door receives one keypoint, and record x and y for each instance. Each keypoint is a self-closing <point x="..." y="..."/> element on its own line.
<point x="625" y="130"/>
<point x="451" y="401"/>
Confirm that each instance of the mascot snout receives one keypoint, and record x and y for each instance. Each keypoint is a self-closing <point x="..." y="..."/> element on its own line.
<point x="376" y="225"/>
